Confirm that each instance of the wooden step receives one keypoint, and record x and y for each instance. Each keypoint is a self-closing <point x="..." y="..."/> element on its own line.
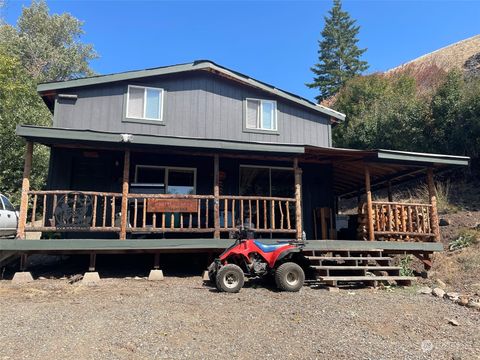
<point x="366" y="278"/>
<point x="376" y="258"/>
<point x="353" y="267"/>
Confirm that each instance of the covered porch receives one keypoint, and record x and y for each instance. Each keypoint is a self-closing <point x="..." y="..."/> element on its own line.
<point x="207" y="189"/>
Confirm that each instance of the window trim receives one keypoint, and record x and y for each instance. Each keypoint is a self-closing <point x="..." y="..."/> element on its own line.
<point x="165" y="180"/>
<point x="261" y="129"/>
<point x="144" y="118"/>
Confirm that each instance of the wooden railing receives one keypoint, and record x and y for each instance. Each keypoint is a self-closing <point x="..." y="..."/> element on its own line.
<point x="401" y="221"/>
<point x="263" y="214"/>
<point x="71" y="211"/>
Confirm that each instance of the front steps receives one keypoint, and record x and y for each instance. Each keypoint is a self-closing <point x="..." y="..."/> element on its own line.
<point x="355" y="266"/>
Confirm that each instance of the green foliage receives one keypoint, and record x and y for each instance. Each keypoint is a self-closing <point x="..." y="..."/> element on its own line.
<point x="465" y="238"/>
<point x="338" y="53"/>
<point x="442" y="192"/>
<point x="388" y="112"/>
<point x="47" y="45"/>
<point x="42" y="47"/>
<point x="406" y="266"/>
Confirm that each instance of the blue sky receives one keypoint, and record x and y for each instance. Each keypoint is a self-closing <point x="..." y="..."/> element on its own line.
<point x="273" y="41"/>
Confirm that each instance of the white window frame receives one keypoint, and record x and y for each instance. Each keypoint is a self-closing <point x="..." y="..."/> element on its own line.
<point x="165" y="180"/>
<point x="145" y="88"/>
<point x="260" y="115"/>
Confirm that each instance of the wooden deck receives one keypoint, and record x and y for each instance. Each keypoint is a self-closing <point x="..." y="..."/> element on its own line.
<point x="201" y="244"/>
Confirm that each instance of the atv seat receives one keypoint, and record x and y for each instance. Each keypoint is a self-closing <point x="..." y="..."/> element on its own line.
<point x="267" y="248"/>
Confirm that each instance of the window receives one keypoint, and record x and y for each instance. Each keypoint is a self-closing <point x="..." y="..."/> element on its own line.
<point x="167" y="180"/>
<point x="261" y="115"/>
<point x="266" y="181"/>
<point x="7" y="203"/>
<point x="144" y="103"/>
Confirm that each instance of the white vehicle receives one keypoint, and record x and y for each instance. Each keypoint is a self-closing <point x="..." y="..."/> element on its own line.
<point x="8" y="218"/>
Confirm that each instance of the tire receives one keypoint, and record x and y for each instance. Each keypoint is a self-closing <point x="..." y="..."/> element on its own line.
<point x="289" y="277"/>
<point x="212" y="273"/>
<point x="230" y="278"/>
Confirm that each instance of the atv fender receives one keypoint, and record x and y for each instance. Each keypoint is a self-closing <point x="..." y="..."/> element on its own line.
<point x="286" y="253"/>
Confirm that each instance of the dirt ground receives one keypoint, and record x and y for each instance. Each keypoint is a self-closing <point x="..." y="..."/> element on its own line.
<point x="181" y="318"/>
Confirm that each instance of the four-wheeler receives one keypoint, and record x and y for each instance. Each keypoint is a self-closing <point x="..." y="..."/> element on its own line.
<point x="248" y="257"/>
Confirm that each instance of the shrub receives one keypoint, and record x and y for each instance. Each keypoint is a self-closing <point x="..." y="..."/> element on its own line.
<point x="464" y="239"/>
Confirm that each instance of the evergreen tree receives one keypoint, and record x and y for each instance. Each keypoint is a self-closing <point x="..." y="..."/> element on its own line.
<point x="339" y="55"/>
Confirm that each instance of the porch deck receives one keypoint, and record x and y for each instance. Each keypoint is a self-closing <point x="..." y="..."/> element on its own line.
<point x="202" y="244"/>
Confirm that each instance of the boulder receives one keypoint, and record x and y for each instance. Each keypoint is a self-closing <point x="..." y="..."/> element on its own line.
<point x="474" y="304"/>
<point x="463" y="300"/>
<point x="424" y="290"/>
<point x="441" y="284"/>
<point x="438" y="292"/>
<point x="454" y="296"/>
<point x="443" y="222"/>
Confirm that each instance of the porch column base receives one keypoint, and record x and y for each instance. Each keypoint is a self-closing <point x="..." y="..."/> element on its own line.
<point x="22" y="277"/>
<point x="156" y="275"/>
<point x="205" y="276"/>
<point x="91" y="278"/>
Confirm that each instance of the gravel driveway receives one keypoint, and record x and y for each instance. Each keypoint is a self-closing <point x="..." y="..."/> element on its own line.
<point x="180" y="318"/>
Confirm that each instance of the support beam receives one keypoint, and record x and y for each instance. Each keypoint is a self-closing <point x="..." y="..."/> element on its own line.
<point x="27" y="168"/>
<point x="216" y="194"/>
<point x="433" y="201"/>
<point x="389" y="190"/>
<point x="124" y="211"/>
<point x="93" y="262"/>
<point x="371" y="234"/>
<point x="298" y="200"/>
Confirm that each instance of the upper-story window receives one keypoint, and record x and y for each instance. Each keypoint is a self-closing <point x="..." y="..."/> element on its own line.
<point x="144" y="103"/>
<point x="261" y="114"/>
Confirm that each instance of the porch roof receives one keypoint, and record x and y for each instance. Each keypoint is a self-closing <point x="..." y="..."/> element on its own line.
<point x="348" y="164"/>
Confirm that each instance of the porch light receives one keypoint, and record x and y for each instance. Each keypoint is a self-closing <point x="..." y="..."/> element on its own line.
<point x="126" y="138"/>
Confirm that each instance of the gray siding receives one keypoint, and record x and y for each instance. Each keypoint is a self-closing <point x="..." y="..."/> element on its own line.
<point x="195" y="105"/>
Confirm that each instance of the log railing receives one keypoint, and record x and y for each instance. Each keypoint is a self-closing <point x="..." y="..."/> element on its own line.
<point x="263" y="214"/>
<point x="71" y="211"/>
<point x="401" y="221"/>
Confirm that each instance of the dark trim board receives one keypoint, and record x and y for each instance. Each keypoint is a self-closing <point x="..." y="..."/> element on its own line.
<point x="182" y="245"/>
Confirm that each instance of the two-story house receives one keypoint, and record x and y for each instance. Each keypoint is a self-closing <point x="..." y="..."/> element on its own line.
<point x="193" y="151"/>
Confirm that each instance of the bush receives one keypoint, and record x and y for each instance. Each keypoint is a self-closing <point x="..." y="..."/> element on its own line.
<point x="464" y="239"/>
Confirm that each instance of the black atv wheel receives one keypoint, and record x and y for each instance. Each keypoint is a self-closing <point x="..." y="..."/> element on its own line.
<point x="230" y="278"/>
<point x="212" y="273"/>
<point x="289" y="277"/>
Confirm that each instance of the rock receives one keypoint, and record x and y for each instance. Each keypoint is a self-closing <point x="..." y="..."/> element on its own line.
<point x="155" y="275"/>
<point x="441" y="284"/>
<point x="91" y="278"/>
<point x="137" y="278"/>
<point x="424" y="290"/>
<point x="438" y="292"/>
<point x="452" y="296"/>
<point x="42" y="278"/>
<point x="463" y="300"/>
<point x="75" y="278"/>
<point x="444" y="222"/>
<point x="473" y="304"/>
<point x="22" y="277"/>
<point x="453" y="322"/>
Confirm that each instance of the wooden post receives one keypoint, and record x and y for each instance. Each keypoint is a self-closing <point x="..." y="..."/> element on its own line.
<point x="22" y="221"/>
<point x="216" y="194"/>
<point x="389" y="190"/>
<point x="433" y="201"/>
<point x="371" y="235"/>
<point x="298" y="199"/>
<point x="124" y="211"/>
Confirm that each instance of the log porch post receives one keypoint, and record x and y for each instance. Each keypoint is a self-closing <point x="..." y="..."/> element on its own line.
<point x="22" y="221"/>
<point x="368" y="190"/>
<point x="216" y="195"/>
<point x="298" y="199"/>
<point x="433" y="201"/>
<point x="124" y="211"/>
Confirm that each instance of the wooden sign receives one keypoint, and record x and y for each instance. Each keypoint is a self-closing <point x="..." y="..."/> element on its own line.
<point x="172" y="205"/>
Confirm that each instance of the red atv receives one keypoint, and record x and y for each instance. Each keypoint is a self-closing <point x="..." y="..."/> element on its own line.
<point x="249" y="257"/>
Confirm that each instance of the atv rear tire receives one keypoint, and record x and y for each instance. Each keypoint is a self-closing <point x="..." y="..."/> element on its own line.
<point x="230" y="278"/>
<point x="289" y="277"/>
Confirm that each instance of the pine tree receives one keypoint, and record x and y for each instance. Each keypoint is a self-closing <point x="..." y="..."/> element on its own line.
<point x="338" y="54"/>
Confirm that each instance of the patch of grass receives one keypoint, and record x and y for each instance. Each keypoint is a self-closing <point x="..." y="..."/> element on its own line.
<point x="442" y="190"/>
<point x="465" y="238"/>
<point x="406" y="266"/>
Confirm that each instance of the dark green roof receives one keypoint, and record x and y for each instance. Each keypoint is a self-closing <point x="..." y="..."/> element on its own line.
<point x="200" y="65"/>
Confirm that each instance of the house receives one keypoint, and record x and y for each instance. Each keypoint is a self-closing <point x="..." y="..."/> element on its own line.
<point x="178" y="157"/>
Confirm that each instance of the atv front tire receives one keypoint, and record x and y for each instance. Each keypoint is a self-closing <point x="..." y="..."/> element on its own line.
<point x="230" y="278"/>
<point x="289" y="277"/>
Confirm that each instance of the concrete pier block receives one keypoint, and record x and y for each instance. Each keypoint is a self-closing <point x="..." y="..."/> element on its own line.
<point x="91" y="278"/>
<point x="205" y="276"/>
<point x="156" y="275"/>
<point x="22" y="277"/>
